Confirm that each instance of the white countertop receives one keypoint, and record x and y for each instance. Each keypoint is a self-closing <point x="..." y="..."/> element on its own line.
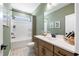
<point x="58" y="42"/>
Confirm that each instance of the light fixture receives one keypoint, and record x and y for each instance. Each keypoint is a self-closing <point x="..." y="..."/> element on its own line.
<point x="49" y="5"/>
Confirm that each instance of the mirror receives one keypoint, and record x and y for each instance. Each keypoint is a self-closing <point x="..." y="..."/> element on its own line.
<point x="54" y="17"/>
<point x="60" y="19"/>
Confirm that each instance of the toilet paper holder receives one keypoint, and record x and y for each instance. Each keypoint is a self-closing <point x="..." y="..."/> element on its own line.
<point x="3" y="47"/>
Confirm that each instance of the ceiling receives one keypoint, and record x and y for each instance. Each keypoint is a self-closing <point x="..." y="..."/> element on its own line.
<point x="55" y="7"/>
<point x="26" y="7"/>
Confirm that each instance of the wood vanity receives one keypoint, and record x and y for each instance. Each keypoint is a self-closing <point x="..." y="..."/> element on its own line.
<point x="43" y="48"/>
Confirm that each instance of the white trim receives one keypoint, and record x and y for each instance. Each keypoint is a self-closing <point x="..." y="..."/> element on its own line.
<point x="77" y="27"/>
<point x="9" y="53"/>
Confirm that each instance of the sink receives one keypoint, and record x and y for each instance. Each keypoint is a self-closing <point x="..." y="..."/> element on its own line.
<point x="51" y="38"/>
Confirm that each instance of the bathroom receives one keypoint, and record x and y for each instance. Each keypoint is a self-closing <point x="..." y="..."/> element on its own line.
<point x="25" y="21"/>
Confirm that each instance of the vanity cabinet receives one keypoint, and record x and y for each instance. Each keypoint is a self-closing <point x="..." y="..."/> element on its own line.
<point x="43" y="48"/>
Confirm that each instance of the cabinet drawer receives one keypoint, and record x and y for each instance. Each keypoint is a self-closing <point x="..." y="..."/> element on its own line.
<point x="61" y="52"/>
<point x="46" y="45"/>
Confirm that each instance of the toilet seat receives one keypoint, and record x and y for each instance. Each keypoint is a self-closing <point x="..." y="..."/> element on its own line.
<point x="30" y="44"/>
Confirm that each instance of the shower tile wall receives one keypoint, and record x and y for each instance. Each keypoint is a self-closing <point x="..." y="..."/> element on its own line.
<point x="23" y="30"/>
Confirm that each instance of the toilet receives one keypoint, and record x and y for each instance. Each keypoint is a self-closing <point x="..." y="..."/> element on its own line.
<point x="30" y="45"/>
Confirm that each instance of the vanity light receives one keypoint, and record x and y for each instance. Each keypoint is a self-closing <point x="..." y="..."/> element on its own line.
<point x="49" y="5"/>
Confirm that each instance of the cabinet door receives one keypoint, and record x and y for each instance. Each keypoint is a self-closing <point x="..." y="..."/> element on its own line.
<point x="44" y="51"/>
<point x="46" y="45"/>
<point x="48" y="52"/>
<point x="41" y="51"/>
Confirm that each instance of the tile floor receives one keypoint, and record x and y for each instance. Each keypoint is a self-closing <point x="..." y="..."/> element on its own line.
<point x="24" y="51"/>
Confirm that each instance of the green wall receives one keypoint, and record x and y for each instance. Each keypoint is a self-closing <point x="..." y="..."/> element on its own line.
<point x="39" y="13"/>
<point x="60" y="15"/>
<point x="6" y="28"/>
<point x="6" y="40"/>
